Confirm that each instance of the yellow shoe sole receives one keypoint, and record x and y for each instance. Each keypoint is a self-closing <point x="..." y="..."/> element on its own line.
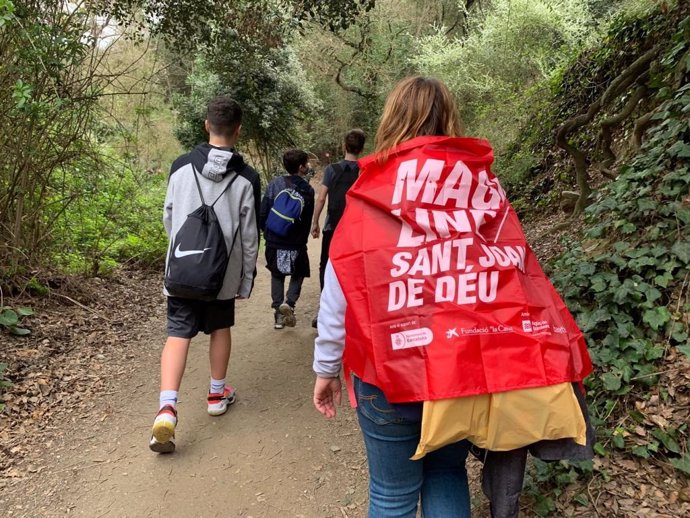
<point x="163" y="431"/>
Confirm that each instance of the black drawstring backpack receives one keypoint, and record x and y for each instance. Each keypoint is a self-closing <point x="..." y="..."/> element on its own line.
<point x="198" y="257"/>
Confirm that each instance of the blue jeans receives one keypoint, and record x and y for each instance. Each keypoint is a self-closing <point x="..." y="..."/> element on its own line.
<point x="396" y="483"/>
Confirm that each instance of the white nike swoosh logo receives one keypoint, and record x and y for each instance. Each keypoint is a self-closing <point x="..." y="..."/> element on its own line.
<point x="179" y="253"/>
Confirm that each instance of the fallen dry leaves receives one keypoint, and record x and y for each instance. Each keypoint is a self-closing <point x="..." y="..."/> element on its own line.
<point x="64" y="370"/>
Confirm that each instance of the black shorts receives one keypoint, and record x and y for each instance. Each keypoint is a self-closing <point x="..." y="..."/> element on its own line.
<point x="187" y="317"/>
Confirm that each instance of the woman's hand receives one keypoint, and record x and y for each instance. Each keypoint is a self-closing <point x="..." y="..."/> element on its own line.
<point x="327" y="395"/>
<point x="315" y="230"/>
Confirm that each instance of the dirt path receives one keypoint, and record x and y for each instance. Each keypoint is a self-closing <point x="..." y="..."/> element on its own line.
<point x="271" y="455"/>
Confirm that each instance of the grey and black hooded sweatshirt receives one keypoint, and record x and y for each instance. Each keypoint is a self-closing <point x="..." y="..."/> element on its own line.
<point x="237" y="209"/>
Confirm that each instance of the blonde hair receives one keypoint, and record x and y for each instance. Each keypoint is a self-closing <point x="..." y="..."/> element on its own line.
<point x="415" y="107"/>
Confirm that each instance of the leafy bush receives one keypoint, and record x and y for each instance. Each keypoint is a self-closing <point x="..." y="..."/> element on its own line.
<point x="72" y="188"/>
<point x="114" y="218"/>
<point x="36" y="287"/>
<point x="271" y="89"/>
<point x="572" y="87"/>
<point x="49" y="88"/>
<point x="10" y="319"/>
<point x="496" y="68"/>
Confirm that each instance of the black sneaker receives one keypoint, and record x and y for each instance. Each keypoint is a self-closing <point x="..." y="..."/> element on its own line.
<point x="279" y="322"/>
<point x="288" y="314"/>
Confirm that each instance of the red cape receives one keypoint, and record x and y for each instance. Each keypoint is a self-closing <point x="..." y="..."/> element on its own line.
<point x="444" y="296"/>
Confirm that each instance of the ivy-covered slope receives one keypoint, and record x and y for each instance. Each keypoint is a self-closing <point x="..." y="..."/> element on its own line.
<point x="627" y="285"/>
<point x="533" y="169"/>
<point x="626" y="278"/>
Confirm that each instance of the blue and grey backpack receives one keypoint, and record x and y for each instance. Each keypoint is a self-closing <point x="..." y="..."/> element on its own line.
<point x="286" y="211"/>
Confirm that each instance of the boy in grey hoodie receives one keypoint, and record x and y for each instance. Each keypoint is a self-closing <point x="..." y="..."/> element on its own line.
<point x="216" y="164"/>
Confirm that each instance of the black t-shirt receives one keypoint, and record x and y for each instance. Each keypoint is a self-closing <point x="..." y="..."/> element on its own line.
<point x="330" y="180"/>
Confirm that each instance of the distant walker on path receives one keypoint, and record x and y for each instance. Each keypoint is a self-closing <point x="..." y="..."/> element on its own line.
<point x="337" y="180"/>
<point x="286" y="212"/>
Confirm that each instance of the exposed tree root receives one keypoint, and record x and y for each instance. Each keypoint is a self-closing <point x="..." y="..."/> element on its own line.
<point x="641" y="125"/>
<point x="633" y="73"/>
<point x="609" y="123"/>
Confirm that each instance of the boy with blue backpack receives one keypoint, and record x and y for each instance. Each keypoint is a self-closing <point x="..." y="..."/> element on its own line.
<point x="286" y="212"/>
<point x="210" y="216"/>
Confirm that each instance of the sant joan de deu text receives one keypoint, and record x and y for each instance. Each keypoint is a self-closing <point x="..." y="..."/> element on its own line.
<point x="476" y="199"/>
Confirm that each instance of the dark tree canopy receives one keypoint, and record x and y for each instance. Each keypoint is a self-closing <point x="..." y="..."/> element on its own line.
<point x="189" y="23"/>
<point x="334" y="14"/>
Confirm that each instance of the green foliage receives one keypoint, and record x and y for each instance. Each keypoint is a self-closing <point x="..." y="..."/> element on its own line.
<point x="629" y="34"/>
<point x="192" y="24"/>
<point x="48" y="90"/>
<point x="351" y="72"/>
<point x="64" y="194"/>
<point x="272" y="90"/>
<point x="682" y="464"/>
<point x="6" y="12"/>
<point x="498" y="68"/>
<point x="626" y="281"/>
<point x="81" y="183"/>
<point x="335" y="14"/>
<point x="202" y="84"/>
<point x="635" y="26"/>
<point x="638" y="251"/>
<point x="624" y="285"/>
<point x="11" y="320"/>
<point x="559" y="475"/>
<point x="114" y="218"/>
<point x="143" y="241"/>
<point x="36" y="287"/>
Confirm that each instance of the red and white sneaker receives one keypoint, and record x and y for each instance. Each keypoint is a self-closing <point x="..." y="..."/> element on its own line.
<point x="218" y="403"/>
<point x="163" y="431"/>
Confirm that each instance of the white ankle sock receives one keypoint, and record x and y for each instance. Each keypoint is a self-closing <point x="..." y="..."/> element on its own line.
<point x="168" y="397"/>
<point x="217" y="386"/>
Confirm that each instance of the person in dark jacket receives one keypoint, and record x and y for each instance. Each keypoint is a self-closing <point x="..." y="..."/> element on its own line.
<point x="337" y="179"/>
<point x="286" y="255"/>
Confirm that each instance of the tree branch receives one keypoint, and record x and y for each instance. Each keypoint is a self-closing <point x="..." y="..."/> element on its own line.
<point x="359" y="49"/>
<point x="348" y="88"/>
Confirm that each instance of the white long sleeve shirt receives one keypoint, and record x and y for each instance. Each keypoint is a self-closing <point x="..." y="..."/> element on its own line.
<point x="329" y="345"/>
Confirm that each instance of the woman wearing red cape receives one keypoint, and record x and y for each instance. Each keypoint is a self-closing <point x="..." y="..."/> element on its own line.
<point x="448" y="332"/>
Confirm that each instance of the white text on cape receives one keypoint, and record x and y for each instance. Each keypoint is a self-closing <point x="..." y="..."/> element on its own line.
<point x="475" y="199"/>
